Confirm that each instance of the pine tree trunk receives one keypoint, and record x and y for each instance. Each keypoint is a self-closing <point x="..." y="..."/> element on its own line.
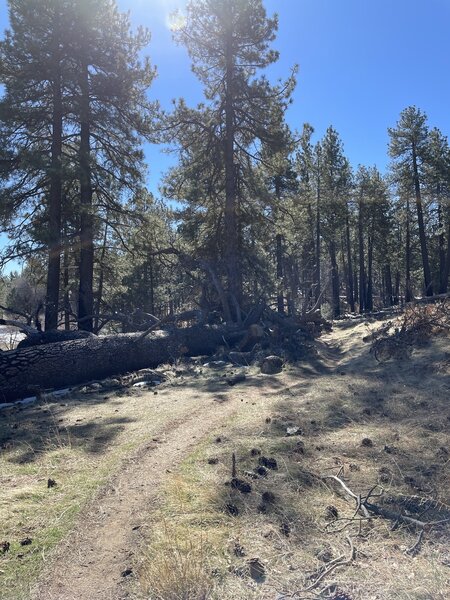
<point x="356" y="287"/>
<point x="441" y="242"/>
<point x="369" y="296"/>
<point x="447" y="262"/>
<point x="388" y="285"/>
<point x="55" y="201"/>
<point x="397" y="288"/>
<point x="349" y="265"/>
<point x="408" y="291"/>
<point x="230" y="217"/>
<point x="64" y="364"/>
<point x="101" y="278"/>
<point x="422" y="236"/>
<point x="318" y="248"/>
<point x="86" y="294"/>
<point x="335" y="280"/>
<point x="362" y="269"/>
<point x="66" y="281"/>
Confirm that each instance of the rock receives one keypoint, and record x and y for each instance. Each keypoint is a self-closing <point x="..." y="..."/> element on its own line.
<point x="271" y="365"/>
<point x="238" y="378"/>
<point x="290" y="431"/>
<point x="215" y="364"/>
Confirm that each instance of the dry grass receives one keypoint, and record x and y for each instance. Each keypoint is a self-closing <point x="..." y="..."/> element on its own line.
<point x="178" y="566"/>
<point x="79" y="441"/>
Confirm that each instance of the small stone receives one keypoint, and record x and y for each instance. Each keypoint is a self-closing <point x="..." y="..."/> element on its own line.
<point x="213" y="461"/>
<point x="127" y="572"/>
<point x="238" y="378"/>
<point x="271" y="365"/>
<point x="290" y="431"/>
<point x="215" y="364"/>
<point x="255" y="452"/>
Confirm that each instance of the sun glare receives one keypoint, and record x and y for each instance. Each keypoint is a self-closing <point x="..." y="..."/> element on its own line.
<point x="175" y="21"/>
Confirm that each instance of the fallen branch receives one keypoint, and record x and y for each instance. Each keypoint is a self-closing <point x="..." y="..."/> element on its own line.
<point x="368" y="509"/>
<point x="341" y="561"/>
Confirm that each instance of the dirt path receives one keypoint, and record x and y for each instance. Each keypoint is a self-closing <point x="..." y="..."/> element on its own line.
<point x="91" y="561"/>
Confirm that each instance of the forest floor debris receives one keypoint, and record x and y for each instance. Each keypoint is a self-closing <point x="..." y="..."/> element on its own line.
<point x="164" y="509"/>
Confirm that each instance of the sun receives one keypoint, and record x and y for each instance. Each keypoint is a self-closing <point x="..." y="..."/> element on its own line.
<point x="175" y="20"/>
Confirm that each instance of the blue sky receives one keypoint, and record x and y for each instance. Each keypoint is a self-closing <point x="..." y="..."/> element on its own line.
<point x="361" y="62"/>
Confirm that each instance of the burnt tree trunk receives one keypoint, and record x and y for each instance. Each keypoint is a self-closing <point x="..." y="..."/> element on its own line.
<point x="63" y="364"/>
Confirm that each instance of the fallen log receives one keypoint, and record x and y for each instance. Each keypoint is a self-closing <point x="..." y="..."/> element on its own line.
<point x="62" y="364"/>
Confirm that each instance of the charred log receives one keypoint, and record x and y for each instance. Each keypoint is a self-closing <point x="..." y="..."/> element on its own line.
<point x="61" y="364"/>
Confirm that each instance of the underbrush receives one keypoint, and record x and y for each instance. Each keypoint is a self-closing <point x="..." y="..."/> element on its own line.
<point x="414" y="328"/>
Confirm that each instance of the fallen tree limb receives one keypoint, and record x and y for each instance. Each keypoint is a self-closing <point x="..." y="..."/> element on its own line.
<point x="63" y="364"/>
<point x="368" y="509"/>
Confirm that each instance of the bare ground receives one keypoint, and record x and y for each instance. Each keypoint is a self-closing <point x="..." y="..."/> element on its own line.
<point x="338" y="398"/>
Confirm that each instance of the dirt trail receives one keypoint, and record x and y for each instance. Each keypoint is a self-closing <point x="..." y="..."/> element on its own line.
<point x="92" y="559"/>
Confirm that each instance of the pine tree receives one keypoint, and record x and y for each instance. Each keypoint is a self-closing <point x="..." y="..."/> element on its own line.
<point x="33" y="67"/>
<point x="74" y="113"/>
<point x="408" y="147"/>
<point x="228" y="42"/>
<point x="336" y="188"/>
